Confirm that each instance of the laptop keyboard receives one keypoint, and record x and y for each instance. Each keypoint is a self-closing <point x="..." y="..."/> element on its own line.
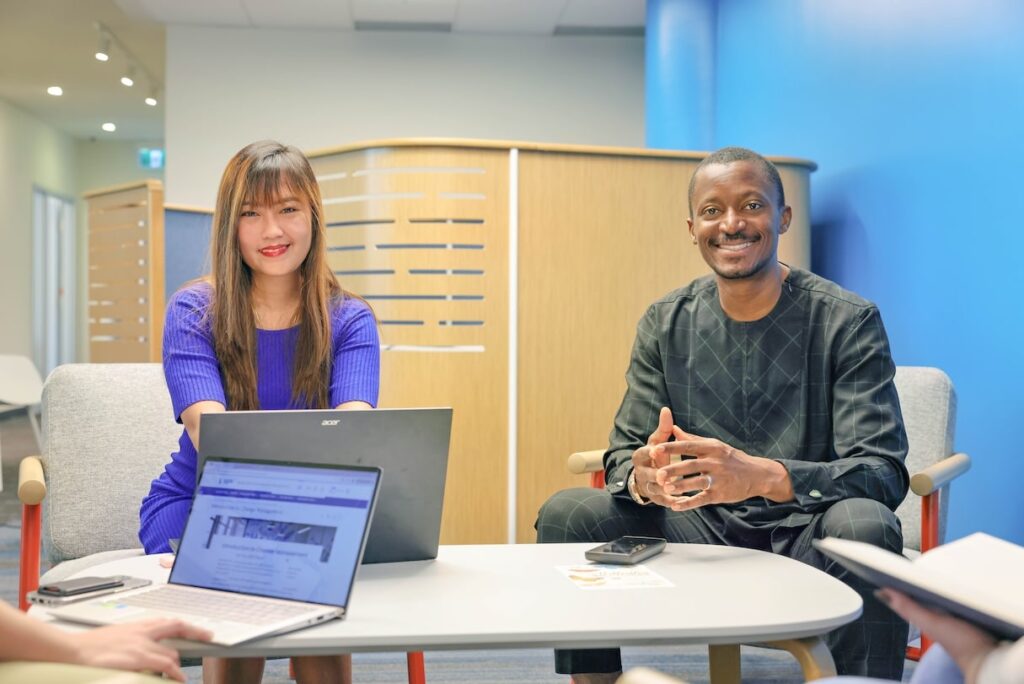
<point x="217" y="606"/>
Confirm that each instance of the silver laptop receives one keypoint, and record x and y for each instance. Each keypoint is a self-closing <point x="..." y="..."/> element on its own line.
<point x="268" y="548"/>
<point x="410" y="446"/>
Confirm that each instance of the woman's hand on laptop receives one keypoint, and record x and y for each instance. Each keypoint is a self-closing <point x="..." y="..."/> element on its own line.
<point x="135" y="646"/>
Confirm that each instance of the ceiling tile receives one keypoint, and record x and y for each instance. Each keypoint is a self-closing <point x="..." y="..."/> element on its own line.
<point x="604" y="13"/>
<point x="205" y="12"/>
<point x="404" y="11"/>
<point x="313" y="14"/>
<point x="508" y="16"/>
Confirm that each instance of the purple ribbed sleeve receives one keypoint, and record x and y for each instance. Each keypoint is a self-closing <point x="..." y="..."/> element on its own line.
<point x="193" y="374"/>
<point x="190" y="364"/>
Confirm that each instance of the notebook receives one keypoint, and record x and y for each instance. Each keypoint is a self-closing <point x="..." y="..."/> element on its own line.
<point x="409" y="445"/>
<point x="976" y="578"/>
<point x="269" y="547"/>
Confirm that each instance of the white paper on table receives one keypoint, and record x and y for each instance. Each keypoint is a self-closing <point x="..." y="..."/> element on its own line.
<point x="600" y="577"/>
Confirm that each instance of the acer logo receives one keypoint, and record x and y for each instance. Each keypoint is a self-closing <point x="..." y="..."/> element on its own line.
<point x="329" y="422"/>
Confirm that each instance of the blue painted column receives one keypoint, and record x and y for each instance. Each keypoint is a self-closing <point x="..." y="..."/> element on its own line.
<point x="680" y="74"/>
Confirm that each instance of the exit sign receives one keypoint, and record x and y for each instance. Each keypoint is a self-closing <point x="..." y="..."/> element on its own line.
<point x="151" y="157"/>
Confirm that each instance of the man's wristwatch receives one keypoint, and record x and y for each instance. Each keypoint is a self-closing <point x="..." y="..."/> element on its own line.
<point x="631" y="488"/>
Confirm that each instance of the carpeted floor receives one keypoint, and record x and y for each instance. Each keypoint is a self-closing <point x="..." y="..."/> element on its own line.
<point x="760" y="666"/>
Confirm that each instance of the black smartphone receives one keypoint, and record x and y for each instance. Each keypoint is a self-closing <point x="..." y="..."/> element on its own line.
<point x="80" y="585"/>
<point x="626" y="550"/>
<point x="51" y="600"/>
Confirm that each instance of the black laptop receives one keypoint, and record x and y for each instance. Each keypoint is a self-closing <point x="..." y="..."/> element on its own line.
<point x="410" y="446"/>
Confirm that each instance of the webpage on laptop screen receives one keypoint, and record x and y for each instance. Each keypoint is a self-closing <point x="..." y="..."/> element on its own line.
<point x="285" y="531"/>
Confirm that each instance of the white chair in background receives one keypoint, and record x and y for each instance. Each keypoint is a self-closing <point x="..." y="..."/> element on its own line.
<point x="21" y="388"/>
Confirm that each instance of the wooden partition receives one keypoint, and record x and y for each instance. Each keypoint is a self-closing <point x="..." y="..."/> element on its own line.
<point x="508" y="279"/>
<point x="126" y="272"/>
<point x="422" y="234"/>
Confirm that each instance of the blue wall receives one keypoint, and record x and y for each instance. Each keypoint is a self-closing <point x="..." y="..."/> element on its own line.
<point x="914" y="112"/>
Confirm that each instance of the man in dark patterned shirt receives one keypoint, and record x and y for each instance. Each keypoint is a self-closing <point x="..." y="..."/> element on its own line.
<point x="777" y="388"/>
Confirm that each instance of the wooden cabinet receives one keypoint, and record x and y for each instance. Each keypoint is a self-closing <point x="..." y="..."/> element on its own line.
<point x="126" y="272"/>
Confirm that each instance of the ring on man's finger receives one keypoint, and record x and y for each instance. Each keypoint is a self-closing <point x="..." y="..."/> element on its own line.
<point x="706" y="488"/>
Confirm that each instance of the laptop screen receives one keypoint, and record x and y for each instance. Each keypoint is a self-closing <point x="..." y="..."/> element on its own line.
<point x="276" y="529"/>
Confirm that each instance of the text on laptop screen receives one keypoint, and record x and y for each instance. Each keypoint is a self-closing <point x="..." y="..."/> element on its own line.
<point x="286" y="531"/>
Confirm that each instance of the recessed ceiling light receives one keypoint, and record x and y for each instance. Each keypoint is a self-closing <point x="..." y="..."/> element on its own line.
<point x="151" y="101"/>
<point x="56" y="91"/>
<point x="109" y="127"/>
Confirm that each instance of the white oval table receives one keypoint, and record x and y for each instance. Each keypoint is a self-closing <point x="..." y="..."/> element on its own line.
<point x="515" y="596"/>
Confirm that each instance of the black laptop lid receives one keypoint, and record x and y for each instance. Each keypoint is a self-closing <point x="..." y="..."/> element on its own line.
<point x="410" y="446"/>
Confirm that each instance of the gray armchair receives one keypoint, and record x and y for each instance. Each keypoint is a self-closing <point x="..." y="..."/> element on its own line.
<point x="108" y="430"/>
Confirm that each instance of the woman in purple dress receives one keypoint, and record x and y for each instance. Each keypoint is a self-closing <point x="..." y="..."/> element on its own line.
<point x="268" y="328"/>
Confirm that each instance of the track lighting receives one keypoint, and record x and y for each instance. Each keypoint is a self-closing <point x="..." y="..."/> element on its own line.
<point x="134" y="69"/>
<point x="103" y="51"/>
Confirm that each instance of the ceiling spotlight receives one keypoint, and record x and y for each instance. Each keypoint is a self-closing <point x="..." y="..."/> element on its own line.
<point x="151" y="100"/>
<point x="109" y="127"/>
<point x="129" y="77"/>
<point x="103" y="52"/>
<point x="56" y="91"/>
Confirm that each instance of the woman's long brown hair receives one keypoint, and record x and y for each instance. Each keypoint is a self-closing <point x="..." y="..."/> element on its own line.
<point x="255" y="176"/>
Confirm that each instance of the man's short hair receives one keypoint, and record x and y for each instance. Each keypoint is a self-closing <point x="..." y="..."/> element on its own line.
<point x="728" y="155"/>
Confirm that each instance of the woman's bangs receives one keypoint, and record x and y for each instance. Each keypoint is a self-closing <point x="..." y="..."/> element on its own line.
<point x="266" y="181"/>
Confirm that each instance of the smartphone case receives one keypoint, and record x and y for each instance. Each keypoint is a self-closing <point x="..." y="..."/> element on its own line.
<point x="650" y="546"/>
<point x="46" y="600"/>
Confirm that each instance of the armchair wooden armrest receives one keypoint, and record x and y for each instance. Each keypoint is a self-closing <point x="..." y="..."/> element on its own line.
<point x="31" y="492"/>
<point x="591" y="462"/>
<point x="586" y="461"/>
<point x="31" y="481"/>
<point x="938" y="475"/>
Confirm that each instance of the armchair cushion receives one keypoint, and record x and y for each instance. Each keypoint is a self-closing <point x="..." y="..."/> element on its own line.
<point x="108" y="431"/>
